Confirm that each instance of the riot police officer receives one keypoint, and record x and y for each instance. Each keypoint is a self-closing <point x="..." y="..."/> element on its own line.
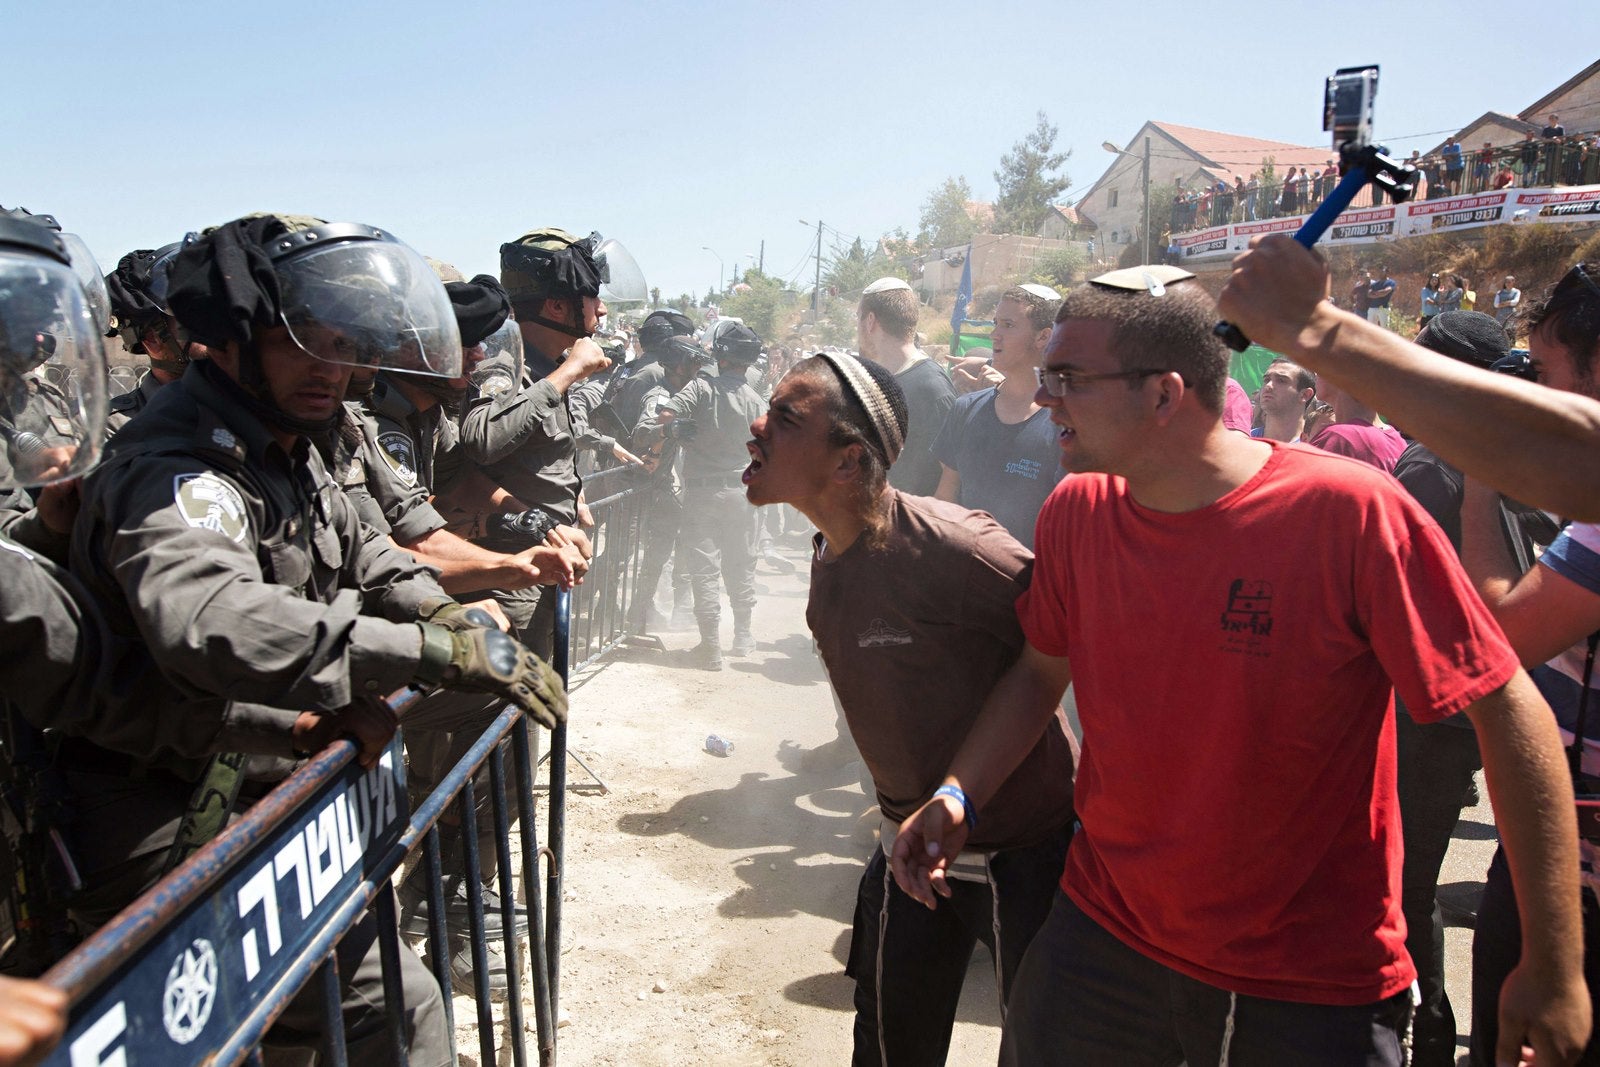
<point x="519" y="430"/>
<point x="213" y="532"/>
<point x="711" y="418"/>
<point x="140" y="319"/>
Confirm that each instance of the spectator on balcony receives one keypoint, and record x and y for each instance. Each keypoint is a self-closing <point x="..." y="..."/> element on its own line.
<point x="1505" y="177"/>
<point x="1482" y="167"/>
<point x="1454" y="165"/>
<point x="1553" y="129"/>
<point x="1289" y="198"/>
<point x="1574" y="153"/>
<point x="1241" y="194"/>
<point x="1532" y="153"/>
<point x="1252" y="190"/>
<point x="1224" y="204"/>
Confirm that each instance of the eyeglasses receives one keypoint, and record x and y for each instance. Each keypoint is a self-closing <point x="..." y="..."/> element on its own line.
<point x="1063" y="381"/>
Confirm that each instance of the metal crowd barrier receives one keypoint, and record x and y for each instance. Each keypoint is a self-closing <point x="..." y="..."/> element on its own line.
<point x="603" y="604"/>
<point x="197" y="969"/>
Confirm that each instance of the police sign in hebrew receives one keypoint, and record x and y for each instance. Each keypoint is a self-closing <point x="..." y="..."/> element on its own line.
<point x="181" y="998"/>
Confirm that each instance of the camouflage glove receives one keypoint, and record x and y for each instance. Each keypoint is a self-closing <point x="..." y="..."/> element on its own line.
<point x="681" y="429"/>
<point x="442" y="611"/>
<point x="481" y="659"/>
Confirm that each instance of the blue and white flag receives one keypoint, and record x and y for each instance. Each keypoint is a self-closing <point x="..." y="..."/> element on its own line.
<point x="958" y="314"/>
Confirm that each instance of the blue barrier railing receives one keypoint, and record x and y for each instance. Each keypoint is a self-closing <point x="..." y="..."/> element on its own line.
<point x="198" y="969"/>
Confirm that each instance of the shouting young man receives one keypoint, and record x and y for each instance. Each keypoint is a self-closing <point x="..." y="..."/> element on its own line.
<point x="912" y="609"/>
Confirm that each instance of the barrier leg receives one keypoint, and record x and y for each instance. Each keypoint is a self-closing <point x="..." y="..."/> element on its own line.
<point x="480" y="948"/>
<point x="333" y="1008"/>
<point x="502" y="847"/>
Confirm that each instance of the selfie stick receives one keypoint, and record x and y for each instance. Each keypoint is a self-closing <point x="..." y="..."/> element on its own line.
<point x="1348" y="114"/>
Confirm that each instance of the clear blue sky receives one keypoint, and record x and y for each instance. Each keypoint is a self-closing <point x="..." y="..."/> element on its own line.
<point x="671" y="126"/>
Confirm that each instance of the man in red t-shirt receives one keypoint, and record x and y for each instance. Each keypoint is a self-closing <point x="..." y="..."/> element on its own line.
<point x="1233" y="612"/>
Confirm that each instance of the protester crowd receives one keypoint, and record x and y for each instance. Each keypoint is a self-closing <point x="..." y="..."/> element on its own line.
<point x="348" y="470"/>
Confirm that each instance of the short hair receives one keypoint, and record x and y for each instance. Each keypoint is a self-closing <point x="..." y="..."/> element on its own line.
<point x="1303" y="379"/>
<point x="1569" y="314"/>
<point x="1172" y="331"/>
<point x="1041" y="309"/>
<point x="896" y="310"/>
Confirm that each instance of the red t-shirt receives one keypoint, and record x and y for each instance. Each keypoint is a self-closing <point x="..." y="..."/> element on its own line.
<point x="1378" y="445"/>
<point x="1233" y="667"/>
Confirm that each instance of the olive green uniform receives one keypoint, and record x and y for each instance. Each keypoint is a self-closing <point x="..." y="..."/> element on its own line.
<point x="249" y="576"/>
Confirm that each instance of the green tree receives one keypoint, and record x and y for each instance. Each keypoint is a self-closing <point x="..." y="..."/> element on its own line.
<point x="1030" y="180"/>
<point x="1061" y="268"/>
<point x="655" y="296"/>
<point x="684" y="303"/>
<point x="945" y="221"/>
<point x="762" y="306"/>
<point x="853" y="269"/>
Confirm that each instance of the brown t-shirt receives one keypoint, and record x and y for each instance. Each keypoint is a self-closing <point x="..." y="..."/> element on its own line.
<point x="914" y="635"/>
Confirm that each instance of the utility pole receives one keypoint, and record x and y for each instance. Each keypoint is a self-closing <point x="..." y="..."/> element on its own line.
<point x="762" y="265"/>
<point x="1146" y="200"/>
<point x="816" y="289"/>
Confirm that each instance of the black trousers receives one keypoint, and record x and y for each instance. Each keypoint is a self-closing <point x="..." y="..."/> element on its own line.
<point x="1436" y="765"/>
<point x="909" y="962"/>
<point x="1084" y="998"/>
<point x="1496" y="949"/>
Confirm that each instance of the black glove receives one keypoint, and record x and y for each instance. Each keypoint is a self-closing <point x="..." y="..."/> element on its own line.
<point x="484" y="660"/>
<point x="517" y="531"/>
<point x="442" y="611"/>
<point x="681" y="429"/>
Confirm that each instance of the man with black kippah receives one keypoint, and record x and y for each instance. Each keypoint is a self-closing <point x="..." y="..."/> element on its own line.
<point x="911" y="607"/>
<point x="213" y="533"/>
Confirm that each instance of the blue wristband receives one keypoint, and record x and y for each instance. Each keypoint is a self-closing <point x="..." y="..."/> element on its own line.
<point x="955" y="792"/>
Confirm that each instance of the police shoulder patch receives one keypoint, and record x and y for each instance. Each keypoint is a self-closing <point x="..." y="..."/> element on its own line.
<point x="208" y="502"/>
<point x="400" y="453"/>
<point x="496" y="384"/>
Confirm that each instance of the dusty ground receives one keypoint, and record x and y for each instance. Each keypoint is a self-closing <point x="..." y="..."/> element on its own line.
<point x="708" y="900"/>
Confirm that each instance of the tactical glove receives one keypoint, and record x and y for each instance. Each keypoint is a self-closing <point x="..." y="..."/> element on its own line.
<point x="442" y="611"/>
<point x="681" y="429"/>
<point x="484" y="660"/>
<point x="515" y="531"/>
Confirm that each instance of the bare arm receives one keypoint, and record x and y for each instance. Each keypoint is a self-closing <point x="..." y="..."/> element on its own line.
<point x="1542" y="451"/>
<point x="949" y="485"/>
<point x="464" y="566"/>
<point x="1544" y="1002"/>
<point x="1018" y="710"/>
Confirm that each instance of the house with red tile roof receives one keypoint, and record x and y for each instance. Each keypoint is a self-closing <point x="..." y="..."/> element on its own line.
<point x="1184" y="156"/>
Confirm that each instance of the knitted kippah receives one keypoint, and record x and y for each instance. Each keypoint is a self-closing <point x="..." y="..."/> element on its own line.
<point x="879" y="394"/>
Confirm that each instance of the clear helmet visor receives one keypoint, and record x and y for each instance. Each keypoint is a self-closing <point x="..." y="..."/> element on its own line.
<point x="92" y="279"/>
<point x="623" y="280"/>
<point x="503" y="348"/>
<point x="370" y="304"/>
<point x="52" y="374"/>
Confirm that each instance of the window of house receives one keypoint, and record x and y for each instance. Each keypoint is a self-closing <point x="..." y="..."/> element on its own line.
<point x="1112" y="202"/>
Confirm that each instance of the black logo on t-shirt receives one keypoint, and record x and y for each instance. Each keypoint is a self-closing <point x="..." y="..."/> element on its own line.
<point x="1247" y="619"/>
